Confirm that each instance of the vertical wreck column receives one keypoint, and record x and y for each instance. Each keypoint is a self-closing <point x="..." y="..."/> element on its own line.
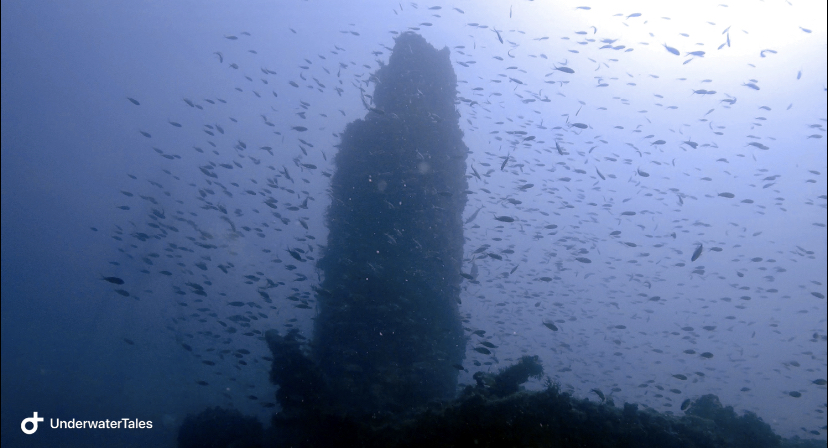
<point x="388" y="332"/>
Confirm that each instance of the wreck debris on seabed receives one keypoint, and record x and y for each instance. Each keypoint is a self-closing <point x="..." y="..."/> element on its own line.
<point x="495" y="412"/>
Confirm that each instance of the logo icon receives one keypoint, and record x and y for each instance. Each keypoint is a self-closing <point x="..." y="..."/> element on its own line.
<point x="33" y="420"/>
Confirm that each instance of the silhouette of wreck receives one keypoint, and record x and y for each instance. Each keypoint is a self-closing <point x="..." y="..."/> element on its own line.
<point x="381" y="370"/>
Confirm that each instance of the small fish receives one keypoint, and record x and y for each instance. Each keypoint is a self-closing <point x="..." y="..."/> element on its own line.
<point x="564" y="69"/>
<point x="672" y="50"/>
<point x="758" y="145"/>
<point x="498" y="36"/>
<point x="727" y="195"/>
<point x="697" y="253"/>
<point x="134" y="101"/>
<point x="474" y="215"/>
<point x="550" y="326"/>
<point x="685" y="404"/>
<point x="295" y="255"/>
<point x="299" y="128"/>
<point x="113" y="280"/>
<point x="129" y="341"/>
<point x="483" y="350"/>
<point x="599" y="393"/>
<point x="679" y="377"/>
<point x="505" y="218"/>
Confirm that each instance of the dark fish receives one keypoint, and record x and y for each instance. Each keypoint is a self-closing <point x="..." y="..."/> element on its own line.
<point x="550" y="326"/>
<point x="134" y="101"/>
<point x="498" y="36"/>
<point x="584" y="260"/>
<point x="129" y="341"/>
<point x="758" y="145"/>
<point x="474" y="215"/>
<point x="565" y="69"/>
<point x="482" y="350"/>
<point x="599" y="393"/>
<point x="505" y="218"/>
<point x="680" y="377"/>
<point x="113" y="280"/>
<point x="295" y="255"/>
<point x="697" y="253"/>
<point x="202" y="383"/>
<point x="299" y="128"/>
<point x="209" y="363"/>
<point x="727" y="195"/>
<point x="685" y="404"/>
<point x="672" y="50"/>
<point x="122" y="292"/>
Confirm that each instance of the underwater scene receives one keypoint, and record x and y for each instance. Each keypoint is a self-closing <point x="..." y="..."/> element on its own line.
<point x="403" y="224"/>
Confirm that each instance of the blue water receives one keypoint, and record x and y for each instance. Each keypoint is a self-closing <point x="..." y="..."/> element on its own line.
<point x="581" y="123"/>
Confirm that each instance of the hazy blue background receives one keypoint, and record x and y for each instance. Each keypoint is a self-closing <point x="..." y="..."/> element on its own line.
<point x="70" y="138"/>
